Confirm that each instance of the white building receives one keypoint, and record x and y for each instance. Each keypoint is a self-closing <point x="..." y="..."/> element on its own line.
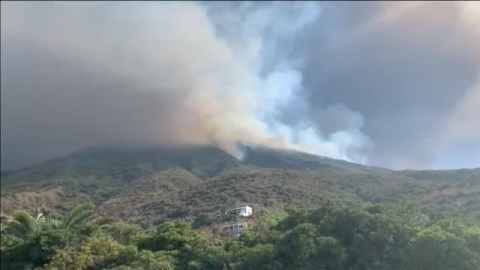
<point x="244" y="211"/>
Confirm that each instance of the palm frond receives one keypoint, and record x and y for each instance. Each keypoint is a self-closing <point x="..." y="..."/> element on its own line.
<point x="78" y="214"/>
<point x="4" y="221"/>
<point x="39" y="216"/>
<point x="20" y="223"/>
<point x="77" y="220"/>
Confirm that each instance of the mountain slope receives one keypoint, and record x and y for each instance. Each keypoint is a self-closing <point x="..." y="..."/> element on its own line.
<point x="100" y="173"/>
<point x="263" y="157"/>
<point x="147" y="197"/>
<point x="155" y="184"/>
<point x="128" y="164"/>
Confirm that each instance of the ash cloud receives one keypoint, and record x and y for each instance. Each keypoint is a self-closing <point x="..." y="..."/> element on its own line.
<point x="95" y="73"/>
<point x="410" y="69"/>
<point x="374" y="83"/>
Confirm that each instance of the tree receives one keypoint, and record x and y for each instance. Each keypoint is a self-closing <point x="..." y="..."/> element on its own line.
<point x="122" y="232"/>
<point x="434" y="248"/>
<point x="21" y="224"/>
<point x="77" y="216"/>
<point x="329" y="238"/>
<point x="40" y="236"/>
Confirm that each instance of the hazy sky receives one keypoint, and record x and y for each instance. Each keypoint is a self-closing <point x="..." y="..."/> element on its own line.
<point x="394" y="84"/>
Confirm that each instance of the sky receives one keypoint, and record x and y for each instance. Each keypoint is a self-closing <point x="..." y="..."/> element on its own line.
<point x="392" y="84"/>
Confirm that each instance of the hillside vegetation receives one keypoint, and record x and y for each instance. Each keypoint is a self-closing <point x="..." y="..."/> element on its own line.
<point x="327" y="238"/>
<point x="163" y="208"/>
<point x="153" y="185"/>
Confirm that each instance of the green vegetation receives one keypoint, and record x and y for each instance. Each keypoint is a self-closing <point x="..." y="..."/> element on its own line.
<point x="330" y="237"/>
<point x="156" y="185"/>
<point x="161" y="209"/>
<point x="33" y="240"/>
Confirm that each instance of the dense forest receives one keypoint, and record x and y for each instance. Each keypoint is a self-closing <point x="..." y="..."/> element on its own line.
<point x="330" y="237"/>
<point x="165" y="208"/>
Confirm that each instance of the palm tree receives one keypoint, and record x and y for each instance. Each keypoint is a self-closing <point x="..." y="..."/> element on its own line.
<point x="77" y="216"/>
<point x="41" y="235"/>
<point x="22" y="224"/>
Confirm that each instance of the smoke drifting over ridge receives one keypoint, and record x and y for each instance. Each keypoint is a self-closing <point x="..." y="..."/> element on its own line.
<point x="276" y="74"/>
<point x="183" y="81"/>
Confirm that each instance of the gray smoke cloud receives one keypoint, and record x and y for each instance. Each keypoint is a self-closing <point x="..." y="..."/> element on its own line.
<point x="411" y="69"/>
<point x="353" y="81"/>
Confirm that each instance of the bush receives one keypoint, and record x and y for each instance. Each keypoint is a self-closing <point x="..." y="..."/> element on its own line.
<point x="379" y="237"/>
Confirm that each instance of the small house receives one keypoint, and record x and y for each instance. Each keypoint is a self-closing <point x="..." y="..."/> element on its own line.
<point x="244" y="211"/>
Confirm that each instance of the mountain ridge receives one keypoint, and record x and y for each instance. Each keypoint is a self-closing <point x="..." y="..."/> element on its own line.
<point x="140" y="184"/>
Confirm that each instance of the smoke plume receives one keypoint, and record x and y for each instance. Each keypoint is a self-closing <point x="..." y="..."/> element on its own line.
<point x="366" y="82"/>
<point x="156" y="73"/>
